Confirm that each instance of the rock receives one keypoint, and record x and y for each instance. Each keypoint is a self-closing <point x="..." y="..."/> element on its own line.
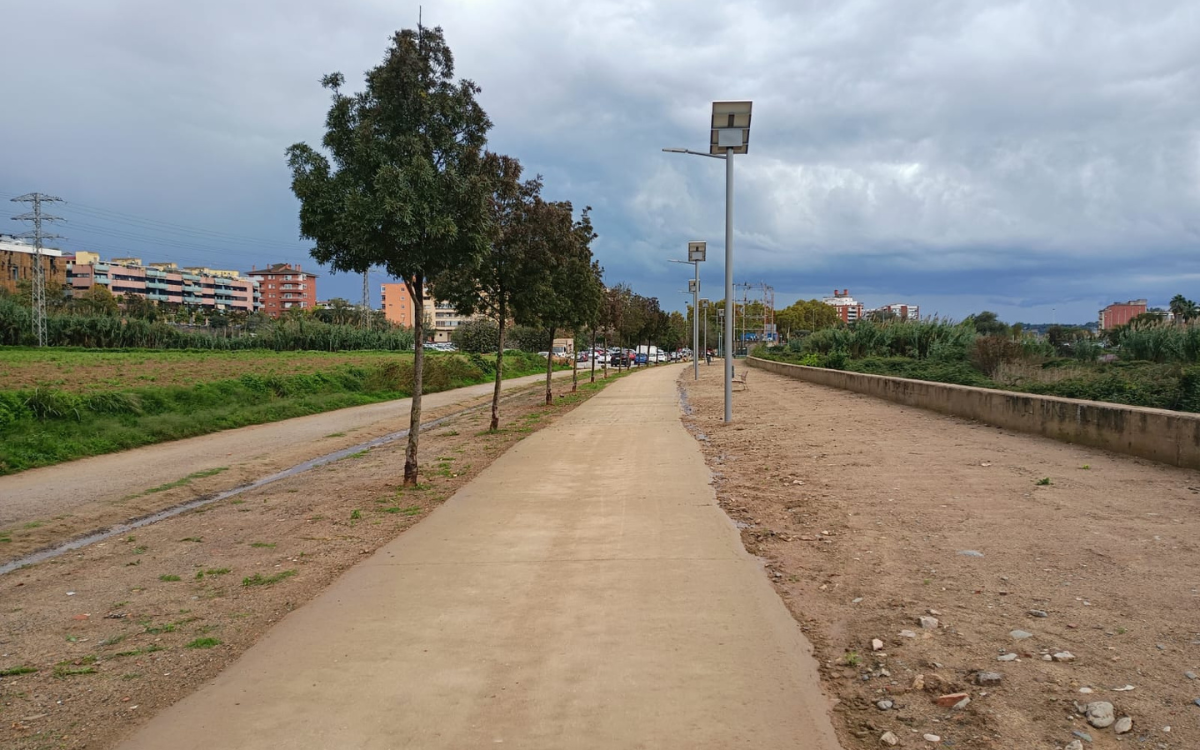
<point x="1086" y="690"/>
<point x="1038" y="613"/>
<point x="884" y="705"/>
<point x="970" y="553"/>
<point x="988" y="678"/>
<point x="933" y="612"/>
<point x="1123" y="725"/>
<point x="1020" y="635"/>
<point x="950" y="699"/>
<point x="929" y="623"/>
<point x="907" y="634"/>
<point x="889" y="739"/>
<point x="856" y="600"/>
<point x="1007" y="657"/>
<point x="1124" y="689"/>
<point x="1197" y="701"/>
<point x="1064" y="656"/>
<point x="1082" y="735"/>
<point x="1047" y="657"/>
<point x="918" y="682"/>
<point x="962" y="704"/>
<point x="1100" y="714"/>
<point x="1074" y="745"/>
<point x="932" y="738"/>
<point x="1190" y="675"/>
<point x="876" y="644"/>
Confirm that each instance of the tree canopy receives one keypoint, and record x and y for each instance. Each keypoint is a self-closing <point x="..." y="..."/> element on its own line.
<point x="400" y="181"/>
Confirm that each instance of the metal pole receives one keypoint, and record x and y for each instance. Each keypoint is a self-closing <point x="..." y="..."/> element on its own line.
<point x="696" y="324"/>
<point x="728" y="284"/>
<point x="706" y="335"/>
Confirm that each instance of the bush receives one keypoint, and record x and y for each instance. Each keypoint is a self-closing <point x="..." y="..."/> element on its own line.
<point x="989" y="352"/>
<point x="527" y="339"/>
<point x="477" y="336"/>
<point x="114" y="332"/>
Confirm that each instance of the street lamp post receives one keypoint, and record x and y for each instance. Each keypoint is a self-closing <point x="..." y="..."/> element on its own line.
<point x="729" y="134"/>
<point x="696" y="255"/>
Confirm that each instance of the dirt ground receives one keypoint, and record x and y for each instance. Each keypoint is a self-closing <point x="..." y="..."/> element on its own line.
<point x="124" y="628"/>
<point x="871" y="515"/>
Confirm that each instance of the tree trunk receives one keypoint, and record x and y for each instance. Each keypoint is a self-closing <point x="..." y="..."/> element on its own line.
<point x="416" y="291"/>
<point x="574" y="368"/>
<point x="499" y="373"/>
<point x="607" y="356"/>
<point x="592" y="354"/>
<point x="550" y="368"/>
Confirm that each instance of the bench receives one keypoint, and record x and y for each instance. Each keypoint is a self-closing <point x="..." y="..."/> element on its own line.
<point x="741" y="379"/>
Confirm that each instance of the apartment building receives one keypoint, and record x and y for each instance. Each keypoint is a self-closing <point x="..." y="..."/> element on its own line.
<point x="285" y="286"/>
<point x="445" y="320"/>
<point x="902" y="311"/>
<point x="16" y="265"/>
<point x="163" y="282"/>
<point x="848" y="308"/>
<point x="397" y="304"/>
<point x="1120" y="313"/>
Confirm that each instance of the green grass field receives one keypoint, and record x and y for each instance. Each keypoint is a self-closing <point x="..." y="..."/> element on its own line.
<point x="57" y="405"/>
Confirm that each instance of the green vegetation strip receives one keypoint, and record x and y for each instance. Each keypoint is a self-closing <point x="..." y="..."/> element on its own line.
<point x="41" y="427"/>
<point x="1155" y="367"/>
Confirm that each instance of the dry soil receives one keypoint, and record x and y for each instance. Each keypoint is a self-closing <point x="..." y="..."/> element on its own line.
<point x="871" y="516"/>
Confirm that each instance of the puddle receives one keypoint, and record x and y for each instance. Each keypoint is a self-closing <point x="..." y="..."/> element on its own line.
<point x="126" y="527"/>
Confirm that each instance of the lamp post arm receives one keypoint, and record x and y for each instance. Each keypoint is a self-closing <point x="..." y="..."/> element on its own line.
<point x="693" y="153"/>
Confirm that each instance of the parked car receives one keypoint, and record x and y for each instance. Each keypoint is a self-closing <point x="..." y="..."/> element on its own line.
<point x="641" y="358"/>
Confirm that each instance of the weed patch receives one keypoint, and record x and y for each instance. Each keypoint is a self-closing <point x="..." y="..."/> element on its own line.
<point x="258" y="579"/>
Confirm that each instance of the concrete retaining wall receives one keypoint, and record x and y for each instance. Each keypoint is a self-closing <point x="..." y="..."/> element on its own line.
<point x="1157" y="434"/>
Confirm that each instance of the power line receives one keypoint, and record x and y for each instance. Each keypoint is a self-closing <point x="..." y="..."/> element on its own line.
<point x="39" y="274"/>
<point x="170" y="227"/>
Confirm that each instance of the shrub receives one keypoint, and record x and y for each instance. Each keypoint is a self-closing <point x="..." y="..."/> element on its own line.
<point x="477" y="336"/>
<point x="989" y="352"/>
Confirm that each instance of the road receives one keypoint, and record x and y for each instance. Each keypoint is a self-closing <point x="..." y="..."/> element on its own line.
<point x="584" y="591"/>
<point x="249" y="452"/>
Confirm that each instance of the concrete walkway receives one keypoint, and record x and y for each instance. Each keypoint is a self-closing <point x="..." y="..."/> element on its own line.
<point x="585" y="591"/>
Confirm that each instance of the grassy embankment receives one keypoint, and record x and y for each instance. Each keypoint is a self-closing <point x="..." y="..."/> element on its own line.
<point x="1157" y="367"/>
<point x="58" y="405"/>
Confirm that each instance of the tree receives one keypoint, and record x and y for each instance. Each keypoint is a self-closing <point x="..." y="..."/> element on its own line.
<point x="497" y="283"/>
<point x="987" y="323"/>
<point x="97" y="301"/>
<point x="399" y="184"/>
<point x="566" y="294"/>
<point x="805" y="315"/>
<point x="676" y="332"/>
<point x="1182" y="308"/>
<point x="479" y="336"/>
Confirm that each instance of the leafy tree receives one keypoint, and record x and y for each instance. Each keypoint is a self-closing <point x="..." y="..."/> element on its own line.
<point x="478" y="336"/>
<point x="97" y="301"/>
<point x="805" y="315"/>
<point x="137" y="306"/>
<point x="567" y="293"/>
<point x="497" y="284"/>
<point x="987" y="323"/>
<point x="676" y="332"/>
<point x="399" y="184"/>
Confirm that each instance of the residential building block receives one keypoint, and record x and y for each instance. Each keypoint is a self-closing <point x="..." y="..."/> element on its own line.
<point x="285" y="286"/>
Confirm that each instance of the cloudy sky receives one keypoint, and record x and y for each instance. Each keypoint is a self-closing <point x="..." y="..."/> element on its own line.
<point x="1037" y="158"/>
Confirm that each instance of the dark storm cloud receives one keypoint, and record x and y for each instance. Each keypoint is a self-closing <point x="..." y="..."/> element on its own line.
<point x="1022" y="155"/>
